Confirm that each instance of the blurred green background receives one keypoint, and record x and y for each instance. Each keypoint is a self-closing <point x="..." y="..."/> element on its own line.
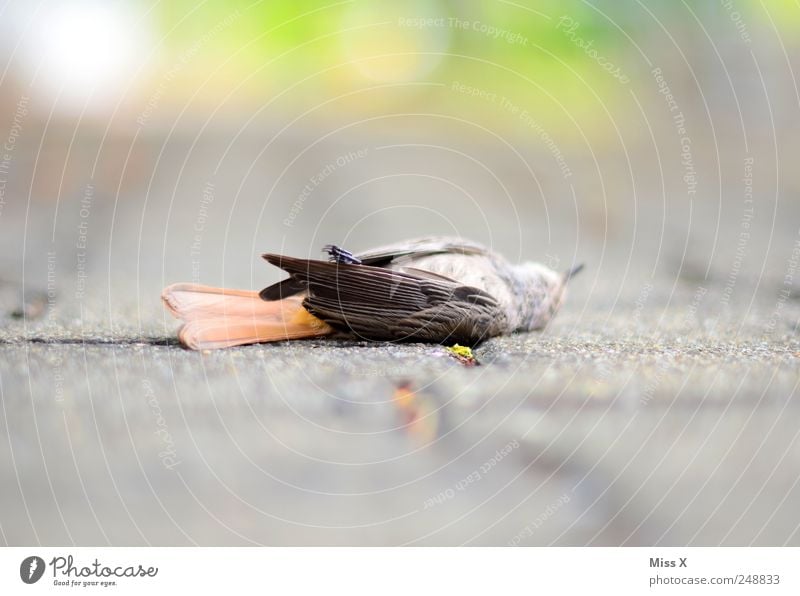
<point x="232" y="54"/>
<point x="545" y="127"/>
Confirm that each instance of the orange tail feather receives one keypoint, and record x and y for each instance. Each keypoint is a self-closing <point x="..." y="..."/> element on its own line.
<point x="220" y="318"/>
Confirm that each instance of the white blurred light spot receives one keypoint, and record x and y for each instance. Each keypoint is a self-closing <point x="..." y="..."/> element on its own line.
<point x="85" y="50"/>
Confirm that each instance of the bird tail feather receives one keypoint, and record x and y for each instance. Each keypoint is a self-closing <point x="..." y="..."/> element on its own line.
<point x="220" y="318"/>
<point x="568" y="275"/>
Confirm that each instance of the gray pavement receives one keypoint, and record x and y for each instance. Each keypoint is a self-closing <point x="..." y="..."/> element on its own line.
<point x="584" y="434"/>
<point x="660" y="407"/>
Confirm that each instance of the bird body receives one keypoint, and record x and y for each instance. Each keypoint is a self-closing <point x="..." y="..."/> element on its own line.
<point x="443" y="290"/>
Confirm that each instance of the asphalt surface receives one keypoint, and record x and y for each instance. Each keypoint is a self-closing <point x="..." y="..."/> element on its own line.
<point x="660" y="407"/>
<point x="583" y="434"/>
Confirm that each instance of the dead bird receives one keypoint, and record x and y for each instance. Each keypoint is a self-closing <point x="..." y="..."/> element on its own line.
<point x="439" y="290"/>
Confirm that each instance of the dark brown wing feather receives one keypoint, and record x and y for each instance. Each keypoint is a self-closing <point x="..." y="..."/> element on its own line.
<point x="282" y="289"/>
<point x="386" y="255"/>
<point x="380" y="304"/>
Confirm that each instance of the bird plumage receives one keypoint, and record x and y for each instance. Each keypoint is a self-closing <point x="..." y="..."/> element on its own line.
<point x="444" y="290"/>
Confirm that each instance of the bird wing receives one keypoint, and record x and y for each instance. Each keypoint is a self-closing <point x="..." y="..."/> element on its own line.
<point x="283" y="289"/>
<point x="386" y="255"/>
<point x="420" y="247"/>
<point x="381" y="304"/>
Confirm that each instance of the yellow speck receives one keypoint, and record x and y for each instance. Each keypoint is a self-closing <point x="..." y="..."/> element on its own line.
<point x="463" y="354"/>
<point x="461" y="351"/>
